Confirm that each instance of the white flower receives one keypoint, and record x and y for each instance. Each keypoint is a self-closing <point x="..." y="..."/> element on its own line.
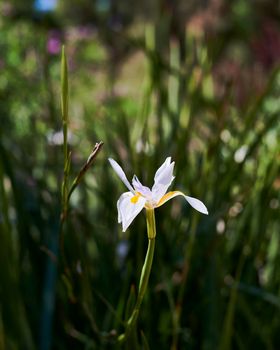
<point x="131" y="203"/>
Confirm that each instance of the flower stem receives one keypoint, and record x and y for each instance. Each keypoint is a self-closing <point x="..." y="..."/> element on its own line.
<point x="145" y="274"/>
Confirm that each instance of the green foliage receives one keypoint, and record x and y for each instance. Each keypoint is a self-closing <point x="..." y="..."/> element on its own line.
<point x="149" y="91"/>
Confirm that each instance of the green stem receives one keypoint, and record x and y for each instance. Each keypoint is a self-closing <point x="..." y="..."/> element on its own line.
<point x="145" y="274"/>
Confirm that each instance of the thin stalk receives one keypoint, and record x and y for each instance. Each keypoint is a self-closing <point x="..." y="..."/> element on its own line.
<point x="145" y="274"/>
<point x="56" y="238"/>
<point x="84" y="169"/>
<point x="65" y="191"/>
<point x="64" y="113"/>
<point x="64" y="98"/>
<point x="143" y="282"/>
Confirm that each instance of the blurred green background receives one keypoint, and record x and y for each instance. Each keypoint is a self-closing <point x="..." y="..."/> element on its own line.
<point x="195" y="80"/>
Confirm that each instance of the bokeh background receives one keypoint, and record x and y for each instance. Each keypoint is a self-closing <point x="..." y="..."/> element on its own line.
<point x="195" y="80"/>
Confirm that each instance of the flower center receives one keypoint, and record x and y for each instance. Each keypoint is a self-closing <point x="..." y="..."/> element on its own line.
<point x="135" y="198"/>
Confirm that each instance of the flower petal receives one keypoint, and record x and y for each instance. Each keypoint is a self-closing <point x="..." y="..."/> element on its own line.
<point x="163" y="178"/>
<point x="169" y="196"/>
<point x="129" y="206"/>
<point x="195" y="203"/>
<point x="120" y="202"/>
<point x="120" y="174"/>
<point x="162" y="167"/>
<point x="144" y="190"/>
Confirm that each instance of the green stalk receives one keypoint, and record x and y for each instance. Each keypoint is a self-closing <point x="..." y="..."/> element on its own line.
<point x="64" y="113"/>
<point x="64" y="99"/>
<point x="145" y="274"/>
<point x="84" y="169"/>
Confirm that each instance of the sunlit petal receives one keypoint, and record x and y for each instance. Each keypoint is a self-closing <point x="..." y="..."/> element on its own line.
<point x="194" y="202"/>
<point x="162" y="167"/>
<point x="158" y="191"/>
<point x="163" y="179"/>
<point x="164" y="170"/>
<point x="129" y="208"/>
<point x="197" y="204"/>
<point x="141" y="188"/>
<point x="120" y="203"/>
<point x="120" y="173"/>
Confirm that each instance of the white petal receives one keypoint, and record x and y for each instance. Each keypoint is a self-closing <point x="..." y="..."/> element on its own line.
<point x="158" y="191"/>
<point x="141" y="188"/>
<point x="162" y="167"/>
<point x="120" y="174"/>
<point x="128" y="209"/>
<point x="120" y="201"/>
<point x="163" y="179"/>
<point x="197" y="204"/>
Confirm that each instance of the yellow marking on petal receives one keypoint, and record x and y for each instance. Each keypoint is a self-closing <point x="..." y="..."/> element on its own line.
<point x="135" y="198"/>
<point x="168" y="196"/>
